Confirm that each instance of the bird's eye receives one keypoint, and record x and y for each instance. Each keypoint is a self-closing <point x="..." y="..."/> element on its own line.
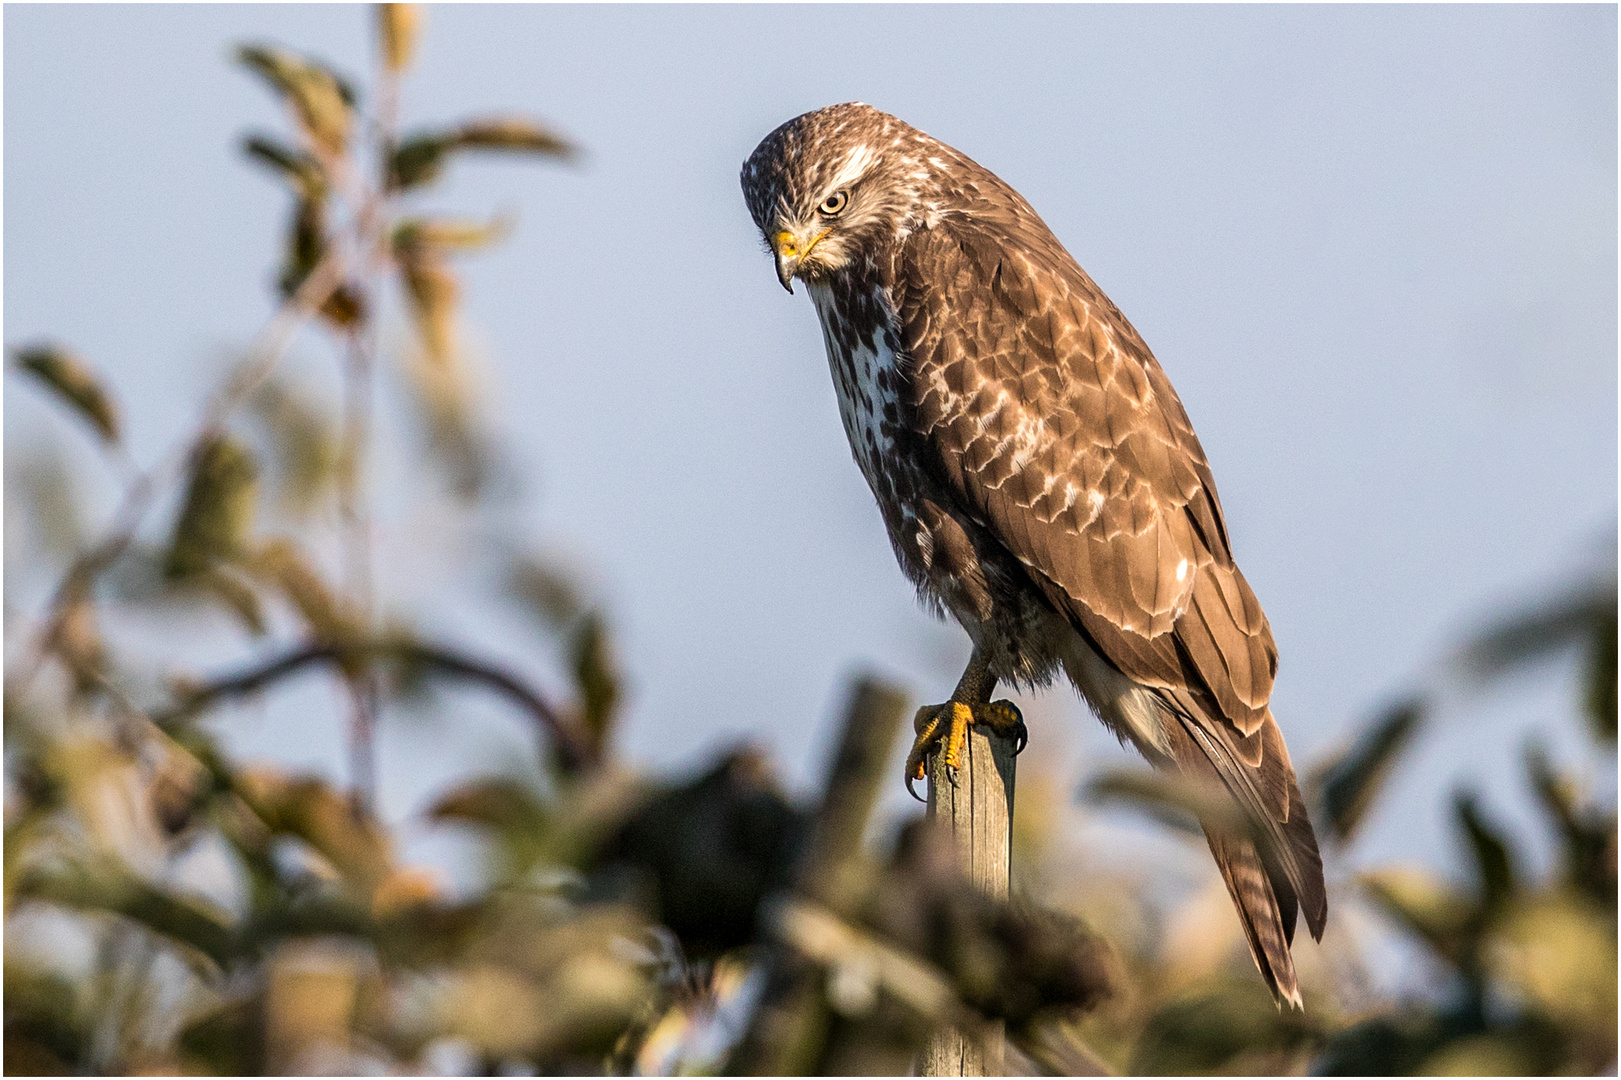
<point x="834" y="203"/>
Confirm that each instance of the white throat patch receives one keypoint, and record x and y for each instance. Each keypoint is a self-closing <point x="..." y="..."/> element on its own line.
<point x="855" y="378"/>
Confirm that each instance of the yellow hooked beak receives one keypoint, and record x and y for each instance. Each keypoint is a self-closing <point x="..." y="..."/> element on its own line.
<point x="791" y="252"/>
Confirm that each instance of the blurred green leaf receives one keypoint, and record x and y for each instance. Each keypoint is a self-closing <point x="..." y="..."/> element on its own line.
<point x="414" y="237"/>
<point x="77" y="641"/>
<point x="218" y="512"/>
<point x="596" y="677"/>
<point x="298" y="168"/>
<point x="307" y="246"/>
<point x="237" y="595"/>
<point x="1439" y="914"/>
<point x="434" y="294"/>
<point x="322" y="101"/>
<point x="1558" y="952"/>
<point x="1535" y="632"/>
<point x="1481" y="1055"/>
<point x="283" y="563"/>
<point x="514" y="133"/>
<point x="228" y="1040"/>
<point x="546" y="590"/>
<point x="1587" y="836"/>
<point x="74" y="382"/>
<point x="1601" y="673"/>
<point x="306" y="243"/>
<point x="1347" y="784"/>
<point x="46" y="1033"/>
<point x="1177" y="801"/>
<point x="440" y="375"/>
<point x="420" y="158"/>
<point x="439" y="372"/>
<point x="496" y="802"/>
<point x="304" y="442"/>
<point x="49" y="498"/>
<point x="29" y="1054"/>
<point x="1223" y="1030"/>
<point x="1392" y="1045"/>
<point x="309" y="808"/>
<point x="1494" y="863"/>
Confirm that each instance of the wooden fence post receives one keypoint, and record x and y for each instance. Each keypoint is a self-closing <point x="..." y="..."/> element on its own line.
<point x="978" y="809"/>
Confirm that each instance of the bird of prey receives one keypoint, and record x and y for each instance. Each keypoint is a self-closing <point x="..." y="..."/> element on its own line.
<point x="1039" y="480"/>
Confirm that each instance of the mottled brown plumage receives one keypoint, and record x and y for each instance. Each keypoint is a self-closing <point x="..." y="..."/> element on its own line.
<point x="1039" y="479"/>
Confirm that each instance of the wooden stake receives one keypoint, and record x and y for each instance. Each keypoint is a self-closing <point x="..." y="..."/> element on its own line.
<point x="978" y="808"/>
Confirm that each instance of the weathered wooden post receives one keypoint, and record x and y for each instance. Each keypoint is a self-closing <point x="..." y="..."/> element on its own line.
<point x="978" y="808"/>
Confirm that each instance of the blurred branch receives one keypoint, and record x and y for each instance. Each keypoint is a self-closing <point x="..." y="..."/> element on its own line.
<point x="827" y="939"/>
<point x="574" y="749"/>
<point x="854" y="777"/>
<point x="1182" y="802"/>
<point x="785" y="1034"/>
<point x="354" y="507"/>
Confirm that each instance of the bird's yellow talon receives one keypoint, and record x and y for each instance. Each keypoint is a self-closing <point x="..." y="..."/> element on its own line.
<point x="948" y="724"/>
<point x="957" y="735"/>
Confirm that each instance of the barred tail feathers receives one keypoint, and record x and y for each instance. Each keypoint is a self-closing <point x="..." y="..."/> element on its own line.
<point x="1267" y="927"/>
<point x="1275" y="873"/>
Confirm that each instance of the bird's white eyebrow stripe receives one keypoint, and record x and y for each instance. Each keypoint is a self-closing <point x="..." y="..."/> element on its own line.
<point x="860" y="160"/>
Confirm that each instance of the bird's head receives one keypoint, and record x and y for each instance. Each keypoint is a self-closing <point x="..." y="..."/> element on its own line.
<point x="827" y="187"/>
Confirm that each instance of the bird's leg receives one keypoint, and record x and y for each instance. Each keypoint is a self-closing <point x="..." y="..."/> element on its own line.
<point x="969" y="704"/>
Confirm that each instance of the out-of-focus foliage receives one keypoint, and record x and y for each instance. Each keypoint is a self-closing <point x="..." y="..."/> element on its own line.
<point x="322" y="100"/>
<point x="67" y="376"/>
<point x="420" y="159"/>
<point x="172" y="908"/>
<point x="1348" y="784"/>
<point x="1532" y="965"/>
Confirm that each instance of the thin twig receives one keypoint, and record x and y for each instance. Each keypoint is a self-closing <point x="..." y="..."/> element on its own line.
<point x="574" y="749"/>
<point x="355" y="512"/>
<point x="370" y="207"/>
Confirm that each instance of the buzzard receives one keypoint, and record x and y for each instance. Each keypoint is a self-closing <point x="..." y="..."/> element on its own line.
<point x="1039" y="480"/>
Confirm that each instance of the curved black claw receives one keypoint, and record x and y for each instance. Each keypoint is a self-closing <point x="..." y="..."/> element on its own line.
<point x="928" y="727"/>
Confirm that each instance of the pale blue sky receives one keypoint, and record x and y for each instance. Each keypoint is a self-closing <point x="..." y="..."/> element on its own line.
<point x="1374" y="247"/>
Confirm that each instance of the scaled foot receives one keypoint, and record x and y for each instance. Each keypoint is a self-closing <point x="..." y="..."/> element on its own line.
<point x="949" y="723"/>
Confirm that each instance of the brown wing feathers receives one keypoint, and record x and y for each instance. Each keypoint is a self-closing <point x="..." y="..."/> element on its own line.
<point x="1230" y="643"/>
<point x="1110" y="504"/>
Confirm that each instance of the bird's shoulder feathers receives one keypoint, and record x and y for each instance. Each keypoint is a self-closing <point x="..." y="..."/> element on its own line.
<point x="1045" y="412"/>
